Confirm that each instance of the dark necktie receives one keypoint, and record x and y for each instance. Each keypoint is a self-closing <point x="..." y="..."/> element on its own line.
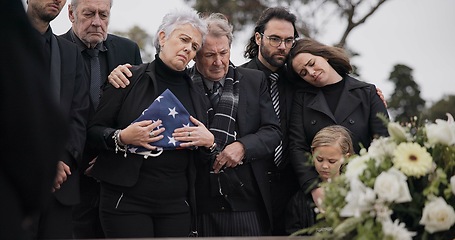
<point x="276" y="106"/>
<point x="215" y="94"/>
<point x="47" y="50"/>
<point x="95" y="76"/>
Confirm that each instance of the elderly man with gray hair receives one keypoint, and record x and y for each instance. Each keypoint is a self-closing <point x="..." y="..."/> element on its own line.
<point x="232" y="191"/>
<point x="101" y="52"/>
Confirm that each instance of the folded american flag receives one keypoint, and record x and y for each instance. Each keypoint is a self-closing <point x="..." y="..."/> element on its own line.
<point x="172" y="113"/>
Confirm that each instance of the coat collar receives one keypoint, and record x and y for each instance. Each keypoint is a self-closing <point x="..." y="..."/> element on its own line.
<point x="347" y="104"/>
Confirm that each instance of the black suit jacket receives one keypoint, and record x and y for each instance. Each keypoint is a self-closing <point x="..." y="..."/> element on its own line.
<point x="74" y="102"/>
<point x="257" y="129"/>
<point x="119" y="51"/>
<point x="357" y="110"/>
<point x="286" y="91"/>
<point x="283" y="180"/>
<point x="33" y="128"/>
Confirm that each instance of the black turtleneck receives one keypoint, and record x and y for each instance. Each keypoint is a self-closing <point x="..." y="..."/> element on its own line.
<point x="177" y="81"/>
<point x="332" y="94"/>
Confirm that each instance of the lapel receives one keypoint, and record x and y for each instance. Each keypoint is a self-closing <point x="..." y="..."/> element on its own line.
<point x="111" y="50"/>
<point x="347" y="103"/>
<point x="199" y="100"/>
<point x="150" y="71"/>
<point x="242" y="107"/>
<point x="319" y="104"/>
<point x="56" y="68"/>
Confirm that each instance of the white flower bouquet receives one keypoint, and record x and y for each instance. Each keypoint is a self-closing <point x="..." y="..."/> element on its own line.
<point x="402" y="187"/>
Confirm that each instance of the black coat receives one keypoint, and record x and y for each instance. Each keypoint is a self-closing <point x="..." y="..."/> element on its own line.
<point x="117" y="109"/>
<point x="257" y="129"/>
<point x="357" y="110"/>
<point x="34" y="130"/>
<point x="283" y="180"/>
<point x="75" y="104"/>
<point x="119" y="51"/>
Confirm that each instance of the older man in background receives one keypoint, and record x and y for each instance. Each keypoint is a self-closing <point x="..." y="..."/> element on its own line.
<point x="101" y="52"/>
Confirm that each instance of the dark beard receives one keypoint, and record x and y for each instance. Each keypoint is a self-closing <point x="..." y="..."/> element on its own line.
<point x="47" y="17"/>
<point x="269" y="58"/>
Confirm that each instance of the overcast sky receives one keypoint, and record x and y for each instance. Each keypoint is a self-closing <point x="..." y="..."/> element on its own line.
<point x="417" y="33"/>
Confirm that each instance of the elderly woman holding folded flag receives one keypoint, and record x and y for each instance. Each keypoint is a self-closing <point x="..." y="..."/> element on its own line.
<point x="146" y="170"/>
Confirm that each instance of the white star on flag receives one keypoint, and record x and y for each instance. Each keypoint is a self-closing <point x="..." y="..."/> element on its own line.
<point x="161" y="124"/>
<point x="167" y="108"/>
<point x="172" y="112"/>
<point x="159" y="98"/>
<point x="172" y="140"/>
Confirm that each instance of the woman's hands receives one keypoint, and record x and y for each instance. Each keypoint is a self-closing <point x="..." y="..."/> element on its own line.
<point x="196" y="136"/>
<point x="142" y="133"/>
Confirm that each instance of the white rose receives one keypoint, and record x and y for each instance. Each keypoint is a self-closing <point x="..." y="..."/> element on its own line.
<point x="391" y="186"/>
<point x="452" y="184"/>
<point x="442" y="131"/>
<point x="397" y="132"/>
<point x="356" y="166"/>
<point x="437" y="216"/>
<point x="359" y="199"/>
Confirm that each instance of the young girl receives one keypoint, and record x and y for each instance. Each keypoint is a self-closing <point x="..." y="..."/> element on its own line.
<point x="330" y="147"/>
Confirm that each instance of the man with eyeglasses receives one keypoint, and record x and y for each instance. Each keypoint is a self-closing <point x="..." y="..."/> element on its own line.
<point x="268" y="49"/>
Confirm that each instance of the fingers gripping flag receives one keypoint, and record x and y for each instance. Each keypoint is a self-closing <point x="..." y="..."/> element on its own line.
<point x="172" y="113"/>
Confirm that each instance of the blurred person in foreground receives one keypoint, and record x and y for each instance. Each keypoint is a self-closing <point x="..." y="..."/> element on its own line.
<point x="29" y="113"/>
<point x="101" y="52"/>
<point x="69" y="86"/>
<point x="151" y="194"/>
<point x="328" y="95"/>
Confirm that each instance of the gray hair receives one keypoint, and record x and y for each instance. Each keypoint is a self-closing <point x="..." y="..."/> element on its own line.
<point x="74" y="4"/>
<point x="177" y="18"/>
<point x="219" y="26"/>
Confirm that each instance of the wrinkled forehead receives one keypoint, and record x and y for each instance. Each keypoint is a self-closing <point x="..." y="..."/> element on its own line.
<point x="187" y="30"/>
<point x="104" y="5"/>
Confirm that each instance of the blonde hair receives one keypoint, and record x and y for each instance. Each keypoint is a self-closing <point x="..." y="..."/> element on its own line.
<point x="331" y="135"/>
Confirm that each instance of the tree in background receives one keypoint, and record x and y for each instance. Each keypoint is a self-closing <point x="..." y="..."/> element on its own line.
<point x="312" y="15"/>
<point x="439" y="109"/>
<point x="405" y="103"/>
<point x="143" y="40"/>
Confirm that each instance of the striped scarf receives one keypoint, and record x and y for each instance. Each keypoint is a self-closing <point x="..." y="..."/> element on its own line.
<point x="222" y="123"/>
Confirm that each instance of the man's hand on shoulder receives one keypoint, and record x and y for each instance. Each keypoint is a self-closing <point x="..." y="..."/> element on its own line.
<point x="119" y="76"/>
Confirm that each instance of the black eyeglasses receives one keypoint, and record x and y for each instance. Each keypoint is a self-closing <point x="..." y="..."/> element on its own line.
<point x="276" y="41"/>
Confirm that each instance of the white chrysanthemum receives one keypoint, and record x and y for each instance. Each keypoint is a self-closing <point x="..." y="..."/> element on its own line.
<point x="397" y="132"/>
<point x="382" y="211"/>
<point x="412" y="159"/>
<point x="396" y="230"/>
<point x="381" y="148"/>
<point x="437" y="215"/>
<point x="359" y="199"/>
<point x="442" y="131"/>
<point x="452" y="184"/>
<point x="391" y="186"/>
<point x="356" y="166"/>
